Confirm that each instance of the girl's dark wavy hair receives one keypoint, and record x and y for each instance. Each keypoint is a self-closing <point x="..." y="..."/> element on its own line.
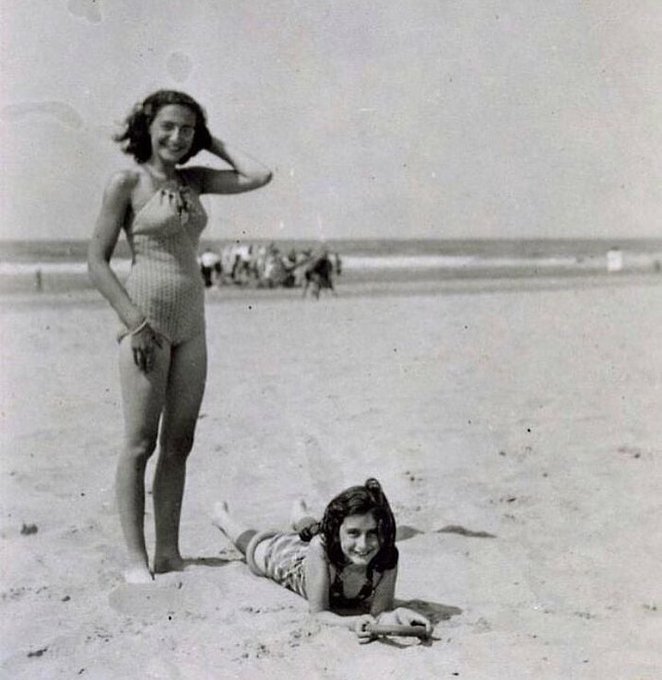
<point x="135" y="138"/>
<point x="358" y="500"/>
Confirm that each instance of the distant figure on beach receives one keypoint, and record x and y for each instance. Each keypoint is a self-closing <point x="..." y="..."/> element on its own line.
<point x="338" y="263"/>
<point x="162" y="347"/>
<point x="318" y="274"/>
<point x="345" y="566"/>
<point x="210" y="267"/>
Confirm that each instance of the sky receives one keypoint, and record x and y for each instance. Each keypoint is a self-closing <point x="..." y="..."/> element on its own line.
<point x="380" y="118"/>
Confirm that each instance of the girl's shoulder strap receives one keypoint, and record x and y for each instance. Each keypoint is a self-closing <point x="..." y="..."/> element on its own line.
<point x="388" y="560"/>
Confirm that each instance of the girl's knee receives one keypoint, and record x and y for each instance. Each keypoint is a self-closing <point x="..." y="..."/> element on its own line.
<point x="176" y="446"/>
<point x="140" y="450"/>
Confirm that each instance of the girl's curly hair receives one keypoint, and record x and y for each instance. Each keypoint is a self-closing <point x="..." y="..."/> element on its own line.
<point x="358" y="500"/>
<point x="135" y="139"/>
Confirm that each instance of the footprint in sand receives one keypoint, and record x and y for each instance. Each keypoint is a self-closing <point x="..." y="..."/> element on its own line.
<point x="159" y="600"/>
<point x="324" y="470"/>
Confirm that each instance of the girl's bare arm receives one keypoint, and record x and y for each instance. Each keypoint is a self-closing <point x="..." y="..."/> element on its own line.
<point x="383" y="605"/>
<point x="116" y="202"/>
<point x="246" y="174"/>
<point x="317" y="591"/>
<point x="384" y="592"/>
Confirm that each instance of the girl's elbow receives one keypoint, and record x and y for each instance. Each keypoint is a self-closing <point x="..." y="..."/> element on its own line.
<point x="92" y="270"/>
<point x="96" y="265"/>
<point x="264" y="178"/>
<point x="315" y="609"/>
<point x="252" y="181"/>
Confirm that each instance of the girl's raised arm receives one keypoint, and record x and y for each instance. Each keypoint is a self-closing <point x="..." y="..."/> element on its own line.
<point x="246" y="174"/>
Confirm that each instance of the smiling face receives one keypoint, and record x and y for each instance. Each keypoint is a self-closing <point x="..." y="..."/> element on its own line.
<point x="171" y="133"/>
<point x="359" y="538"/>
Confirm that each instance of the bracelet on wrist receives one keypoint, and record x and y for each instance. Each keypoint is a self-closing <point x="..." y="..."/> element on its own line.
<point x="142" y="325"/>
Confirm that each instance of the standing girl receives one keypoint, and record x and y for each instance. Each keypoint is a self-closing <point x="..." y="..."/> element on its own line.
<point x="162" y="347"/>
<point x="345" y="566"/>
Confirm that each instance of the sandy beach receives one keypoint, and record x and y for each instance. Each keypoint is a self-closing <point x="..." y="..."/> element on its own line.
<point x="514" y="425"/>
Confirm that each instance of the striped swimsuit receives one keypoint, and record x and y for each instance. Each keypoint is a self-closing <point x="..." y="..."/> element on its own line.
<point x="165" y="281"/>
<point x="284" y="562"/>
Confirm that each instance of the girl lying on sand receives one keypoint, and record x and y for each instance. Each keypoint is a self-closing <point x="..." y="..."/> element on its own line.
<point x="346" y="563"/>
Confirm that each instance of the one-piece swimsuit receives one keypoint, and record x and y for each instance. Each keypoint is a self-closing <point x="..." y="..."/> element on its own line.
<point x="284" y="563"/>
<point x="165" y="281"/>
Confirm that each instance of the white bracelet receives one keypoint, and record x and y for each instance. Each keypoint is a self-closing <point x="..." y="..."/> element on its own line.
<point x="143" y="324"/>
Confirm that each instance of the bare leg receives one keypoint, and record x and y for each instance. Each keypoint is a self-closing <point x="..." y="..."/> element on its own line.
<point x="143" y="397"/>
<point x="300" y="516"/>
<point x="232" y="527"/>
<point x="186" y="384"/>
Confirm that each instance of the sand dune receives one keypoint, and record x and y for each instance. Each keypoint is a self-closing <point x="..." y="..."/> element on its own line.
<point x="515" y="428"/>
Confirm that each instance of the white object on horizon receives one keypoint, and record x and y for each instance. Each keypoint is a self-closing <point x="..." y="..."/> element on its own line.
<point x="614" y="260"/>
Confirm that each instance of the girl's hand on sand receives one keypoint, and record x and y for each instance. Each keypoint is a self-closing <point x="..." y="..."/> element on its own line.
<point x="359" y="628"/>
<point x="409" y="617"/>
<point x="144" y="344"/>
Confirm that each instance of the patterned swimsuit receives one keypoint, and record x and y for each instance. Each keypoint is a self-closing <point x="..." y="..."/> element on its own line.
<point x="284" y="563"/>
<point x="165" y="281"/>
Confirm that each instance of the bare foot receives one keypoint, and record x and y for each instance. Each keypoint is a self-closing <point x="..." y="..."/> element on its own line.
<point x="298" y="511"/>
<point x="138" y="573"/>
<point x="221" y="515"/>
<point x="163" y="565"/>
<point x="227" y="522"/>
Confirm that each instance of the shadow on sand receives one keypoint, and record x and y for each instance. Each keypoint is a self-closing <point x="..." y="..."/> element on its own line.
<point x="211" y="561"/>
<point x="404" y="532"/>
<point x="434" y="611"/>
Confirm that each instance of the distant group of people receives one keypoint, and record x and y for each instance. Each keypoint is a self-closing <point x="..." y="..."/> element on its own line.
<point x="266" y="266"/>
